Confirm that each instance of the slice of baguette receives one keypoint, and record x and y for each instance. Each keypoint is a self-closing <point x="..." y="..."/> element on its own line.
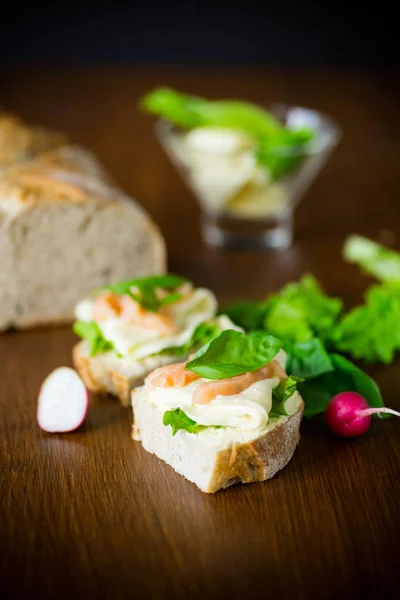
<point x="217" y="458"/>
<point x="108" y="374"/>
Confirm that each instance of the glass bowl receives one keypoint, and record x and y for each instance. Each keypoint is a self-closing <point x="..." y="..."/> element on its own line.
<point x="245" y="204"/>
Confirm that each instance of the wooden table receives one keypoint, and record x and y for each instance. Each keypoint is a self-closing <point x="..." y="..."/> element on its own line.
<point x="91" y="513"/>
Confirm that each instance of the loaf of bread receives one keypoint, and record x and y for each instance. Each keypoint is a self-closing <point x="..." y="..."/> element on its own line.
<point x="19" y="142"/>
<point x="66" y="229"/>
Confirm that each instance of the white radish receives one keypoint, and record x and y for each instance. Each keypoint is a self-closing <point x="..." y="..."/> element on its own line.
<point x="63" y="401"/>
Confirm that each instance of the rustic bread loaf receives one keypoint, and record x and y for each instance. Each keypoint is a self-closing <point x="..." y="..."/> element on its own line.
<point x="19" y="142"/>
<point x="66" y="229"/>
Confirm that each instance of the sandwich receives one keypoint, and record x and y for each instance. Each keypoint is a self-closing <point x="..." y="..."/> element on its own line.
<point x="133" y="327"/>
<point x="230" y="414"/>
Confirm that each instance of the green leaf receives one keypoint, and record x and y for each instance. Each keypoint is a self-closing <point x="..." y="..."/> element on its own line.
<point x="249" y="315"/>
<point x="284" y="154"/>
<point x="233" y="353"/>
<point x="191" y="111"/>
<point x="374" y="259"/>
<point x="89" y="330"/>
<point x="308" y="359"/>
<point x="178" y="419"/>
<point x="346" y="377"/>
<point x="301" y="311"/>
<point x="280" y="149"/>
<point x="371" y="331"/>
<point x="280" y="394"/>
<point x="201" y="335"/>
<point x="363" y="383"/>
<point x="147" y="288"/>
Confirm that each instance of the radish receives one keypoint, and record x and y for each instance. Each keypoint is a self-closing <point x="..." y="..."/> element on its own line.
<point x="63" y="401"/>
<point x="349" y="415"/>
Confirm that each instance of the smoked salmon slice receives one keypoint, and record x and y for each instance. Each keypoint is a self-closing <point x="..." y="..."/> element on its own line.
<point x="171" y="376"/>
<point x="177" y="376"/>
<point x="110" y="305"/>
<point x="208" y="391"/>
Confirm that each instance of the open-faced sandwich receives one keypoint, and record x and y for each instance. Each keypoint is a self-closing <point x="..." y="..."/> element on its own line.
<point x="231" y="414"/>
<point x="133" y="327"/>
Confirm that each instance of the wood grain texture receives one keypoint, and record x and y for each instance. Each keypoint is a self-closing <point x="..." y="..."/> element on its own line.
<point x="90" y="514"/>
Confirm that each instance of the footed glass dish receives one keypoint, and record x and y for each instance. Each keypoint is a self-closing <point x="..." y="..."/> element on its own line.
<point x="246" y="202"/>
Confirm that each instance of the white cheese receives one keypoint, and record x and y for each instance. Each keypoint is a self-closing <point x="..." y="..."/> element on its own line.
<point x="247" y="410"/>
<point x="140" y="342"/>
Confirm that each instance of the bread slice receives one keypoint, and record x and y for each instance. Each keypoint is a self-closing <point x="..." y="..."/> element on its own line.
<point x="66" y="229"/>
<point x="19" y="142"/>
<point x="217" y="458"/>
<point x="108" y="374"/>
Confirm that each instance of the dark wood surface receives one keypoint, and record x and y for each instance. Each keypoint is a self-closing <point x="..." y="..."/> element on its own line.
<point x="91" y="514"/>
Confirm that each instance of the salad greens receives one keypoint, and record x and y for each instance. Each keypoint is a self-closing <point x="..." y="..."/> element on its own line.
<point x="297" y="313"/>
<point x="233" y="353"/>
<point x="313" y="327"/>
<point x="280" y="394"/>
<point x="344" y="377"/>
<point x="90" y="331"/>
<point x="277" y="147"/>
<point x="147" y="288"/>
<point x="308" y="359"/>
<point x="178" y="419"/>
<point x="374" y="259"/>
<point x="371" y="331"/>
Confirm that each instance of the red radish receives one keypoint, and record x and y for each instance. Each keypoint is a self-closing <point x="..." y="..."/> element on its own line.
<point x="63" y="401"/>
<point x="349" y="415"/>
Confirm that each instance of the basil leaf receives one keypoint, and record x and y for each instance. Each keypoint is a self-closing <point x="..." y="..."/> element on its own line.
<point x="346" y="377"/>
<point x="90" y="331"/>
<point x="233" y="353"/>
<point x="147" y="287"/>
<point x="308" y="359"/>
<point x="178" y="419"/>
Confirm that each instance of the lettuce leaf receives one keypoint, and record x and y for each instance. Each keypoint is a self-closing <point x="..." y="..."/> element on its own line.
<point x="178" y="419"/>
<point x="371" y="331"/>
<point x="301" y="311"/>
<point x="280" y="394"/>
<point x="308" y="359"/>
<point x="90" y="331"/>
<point x="233" y="353"/>
<point x="374" y="259"/>
<point x="188" y="111"/>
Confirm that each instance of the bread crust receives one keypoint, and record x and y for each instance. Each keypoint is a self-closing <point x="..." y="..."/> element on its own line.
<point x="102" y="379"/>
<point x="19" y="142"/>
<point x="260" y="459"/>
<point x="99" y="377"/>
